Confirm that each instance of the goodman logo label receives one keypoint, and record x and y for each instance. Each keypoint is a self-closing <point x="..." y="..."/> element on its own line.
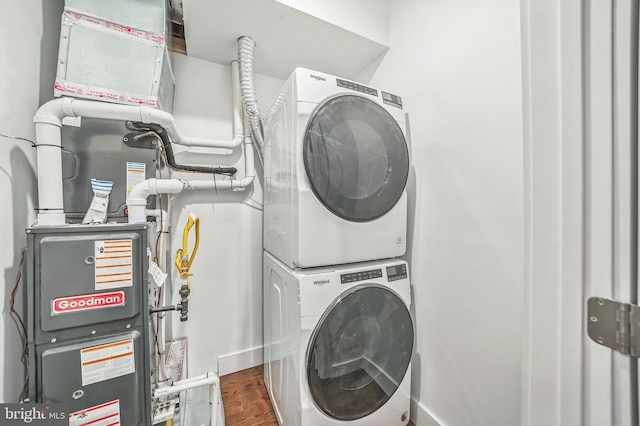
<point x="321" y="282"/>
<point x="87" y="302"/>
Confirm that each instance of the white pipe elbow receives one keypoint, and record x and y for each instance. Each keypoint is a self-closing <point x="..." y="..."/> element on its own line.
<point x="137" y="199"/>
<point x="238" y="128"/>
<point x="208" y="379"/>
<point x="51" y="112"/>
<point x="75" y="107"/>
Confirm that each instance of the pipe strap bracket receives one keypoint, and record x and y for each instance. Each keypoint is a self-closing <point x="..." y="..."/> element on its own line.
<point x="145" y="114"/>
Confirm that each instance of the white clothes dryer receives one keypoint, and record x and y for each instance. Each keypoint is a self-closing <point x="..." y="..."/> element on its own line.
<point x="336" y="166"/>
<point x="338" y="343"/>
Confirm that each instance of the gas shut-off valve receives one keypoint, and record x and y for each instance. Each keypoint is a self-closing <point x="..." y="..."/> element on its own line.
<point x="183" y="263"/>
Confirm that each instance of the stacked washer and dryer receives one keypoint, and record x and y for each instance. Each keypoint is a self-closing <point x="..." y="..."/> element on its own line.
<point x="338" y="333"/>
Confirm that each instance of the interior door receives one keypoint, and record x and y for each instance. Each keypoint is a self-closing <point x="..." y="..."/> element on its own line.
<point x="612" y="204"/>
<point x="580" y="62"/>
<point x="359" y="352"/>
<point x="355" y="157"/>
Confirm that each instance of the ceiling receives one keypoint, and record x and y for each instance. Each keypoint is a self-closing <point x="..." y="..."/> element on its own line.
<point x="286" y="37"/>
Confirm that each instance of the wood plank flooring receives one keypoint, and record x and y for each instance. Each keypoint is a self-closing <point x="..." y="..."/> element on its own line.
<point x="245" y="399"/>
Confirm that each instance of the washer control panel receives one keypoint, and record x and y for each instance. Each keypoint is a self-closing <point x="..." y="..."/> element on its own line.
<point x="360" y="276"/>
<point x="396" y="272"/>
<point x="391" y="99"/>
<point x="355" y="86"/>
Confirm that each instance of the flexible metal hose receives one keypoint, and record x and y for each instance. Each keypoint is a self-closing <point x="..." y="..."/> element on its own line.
<point x="246" y="48"/>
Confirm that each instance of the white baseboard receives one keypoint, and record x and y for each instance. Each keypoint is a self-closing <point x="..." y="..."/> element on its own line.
<point x="237" y="361"/>
<point x="421" y="416"/>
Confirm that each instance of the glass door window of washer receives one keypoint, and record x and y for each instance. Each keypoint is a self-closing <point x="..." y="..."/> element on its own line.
<point x="356" y="158"/>
<point x="359" y="352"/>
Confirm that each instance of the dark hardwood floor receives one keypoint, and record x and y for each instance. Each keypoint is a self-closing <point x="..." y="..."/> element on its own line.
<point x="245" y="399"/>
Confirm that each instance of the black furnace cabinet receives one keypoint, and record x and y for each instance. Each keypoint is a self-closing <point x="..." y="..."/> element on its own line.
<point x="86" y="311"/>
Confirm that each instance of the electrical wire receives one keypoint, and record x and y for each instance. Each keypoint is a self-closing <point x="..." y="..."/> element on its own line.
<point x="33" y="144"/>
<point x="160" y="227"/>
<point x="22" y="329"/>
<point x="156" y="256"/>
<point x="157" y="324"/>
<point x="158" y="132"/>
<point x="252" y="207"/>
<point x="168" y="154"/>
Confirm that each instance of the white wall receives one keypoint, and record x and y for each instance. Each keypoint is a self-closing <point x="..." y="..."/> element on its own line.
<point x="368" y="18"/>
<point x="457" y="65"/>
<point x="226" y="289"/>
<point x="27" y="77"/>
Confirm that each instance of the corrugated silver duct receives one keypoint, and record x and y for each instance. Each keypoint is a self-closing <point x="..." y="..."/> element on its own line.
<point x="246" y="48"/>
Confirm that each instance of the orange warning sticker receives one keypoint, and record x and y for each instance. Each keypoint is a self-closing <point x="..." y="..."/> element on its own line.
<point x="104" y="362"/>
<point x="113" y="266"/>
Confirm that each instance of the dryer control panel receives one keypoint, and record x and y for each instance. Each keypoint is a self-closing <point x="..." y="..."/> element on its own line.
<point x="396" y="272"/>
<point x="355" y="86"/>
<point x="360" y="276"/>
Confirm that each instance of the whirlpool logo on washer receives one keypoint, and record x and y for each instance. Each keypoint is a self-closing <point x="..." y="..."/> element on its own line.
<point x="320" y="283"/>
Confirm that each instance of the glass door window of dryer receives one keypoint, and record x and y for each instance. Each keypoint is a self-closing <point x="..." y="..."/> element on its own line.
<point x="359" y="353"/>
<point x="356" y="158"/>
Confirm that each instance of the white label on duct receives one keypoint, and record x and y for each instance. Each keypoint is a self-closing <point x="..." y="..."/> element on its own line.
<point x="175" y="356"/>
<point x="72" y="121"/>
<point x="136" y="173"/>
<point x="113" y="265"/>
<point x="99" y="415"/>
<point x="156" y="273"/>
<point x="104" y="362"/>
<point x="165" y="411"/>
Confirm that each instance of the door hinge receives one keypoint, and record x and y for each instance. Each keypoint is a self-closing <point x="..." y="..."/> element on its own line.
<point x="614" y="324"/>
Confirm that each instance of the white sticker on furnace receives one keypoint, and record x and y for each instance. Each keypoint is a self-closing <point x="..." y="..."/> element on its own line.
<point x="105" y="362"/>
<point x="113" y="264"/>
<point x="99" y="415"/>
<point x="136" y="173"/>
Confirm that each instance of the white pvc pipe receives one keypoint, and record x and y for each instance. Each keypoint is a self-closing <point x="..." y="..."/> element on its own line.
<point x="48" y="121"/>
<point x="208" y="379"/>
<point x="238" y="134"/>
<point x="238" y="184"/>
<point x="215" y="397"/>
<point x="162" y="218"/>
<point x="208" y="143"/>
<point x="92" y="109"/>
<point x="137" y="199"/>
<point x="50" y="197"/>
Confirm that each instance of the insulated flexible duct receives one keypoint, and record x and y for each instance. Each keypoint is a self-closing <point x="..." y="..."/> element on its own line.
<point x="246" y="48"/>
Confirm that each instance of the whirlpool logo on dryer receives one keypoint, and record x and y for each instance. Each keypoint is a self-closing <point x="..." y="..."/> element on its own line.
<point x="321" y="282"/>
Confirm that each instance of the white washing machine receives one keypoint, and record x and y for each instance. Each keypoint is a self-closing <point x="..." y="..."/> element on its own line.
<point x="338" y="343"/>
<point x="336" y="166"/>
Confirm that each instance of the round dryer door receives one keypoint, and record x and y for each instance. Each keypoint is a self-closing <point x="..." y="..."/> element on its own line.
<point x="359" y="353"/>
<point x="356" y="158"/>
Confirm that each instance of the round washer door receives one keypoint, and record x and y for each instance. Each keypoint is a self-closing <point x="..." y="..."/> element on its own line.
<point x="359" y="352"/>
<point x="356" y="158"/>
